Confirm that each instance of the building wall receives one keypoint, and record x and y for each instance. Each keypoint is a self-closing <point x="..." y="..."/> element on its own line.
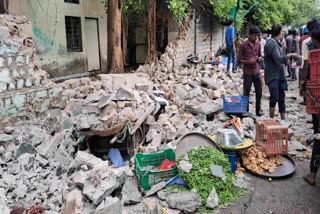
<point x="48" y="19"/>
<point x="25" y="90"/>
<point x="198" y="40"/>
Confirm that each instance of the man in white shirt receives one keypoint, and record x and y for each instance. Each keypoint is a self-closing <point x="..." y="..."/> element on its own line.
<point x="305" y="56"/>
<point x="305" y="50"/>
<point x="262" y="44"/>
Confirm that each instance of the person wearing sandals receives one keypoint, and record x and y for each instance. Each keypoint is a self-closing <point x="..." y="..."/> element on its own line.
<point x="275" y="77"/>
<point x="250" y="56"/>
<point x="314" y="43"/>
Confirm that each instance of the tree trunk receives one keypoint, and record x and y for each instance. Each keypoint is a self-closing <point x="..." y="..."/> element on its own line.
<point x="4" y="6"/>
<point x="125" y="28"/>
<point x="115" y="57"/>
<point x="151" y="31"/>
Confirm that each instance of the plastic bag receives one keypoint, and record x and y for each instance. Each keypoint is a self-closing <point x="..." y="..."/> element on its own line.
<point x="228" y="137"/>
<point x="176" y="180"/>
<point x="115" y="157"/>
<point x="166" y="164"/>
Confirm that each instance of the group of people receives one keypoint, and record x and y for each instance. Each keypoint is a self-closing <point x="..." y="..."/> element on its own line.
<point x="276" y="54"/>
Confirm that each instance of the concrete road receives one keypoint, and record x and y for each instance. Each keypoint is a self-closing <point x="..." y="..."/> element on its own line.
<point x="286" y="196"/>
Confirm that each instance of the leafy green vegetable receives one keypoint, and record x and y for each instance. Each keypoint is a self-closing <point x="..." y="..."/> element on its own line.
<point x="176" y="188"/>
<point x="201" y="179"/>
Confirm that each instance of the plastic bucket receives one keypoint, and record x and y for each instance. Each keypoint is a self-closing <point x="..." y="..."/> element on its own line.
<point x="232" y="156"/>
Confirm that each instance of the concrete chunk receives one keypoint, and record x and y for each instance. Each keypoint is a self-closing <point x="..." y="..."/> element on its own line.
<point x="4" y="209"/>
<point x="48" y="148"/>
<point x="130" y="192"/>
<point x="213" y="199"/>
<point x="43" y="162"/>
<point x="5" y="138"/>
<point x="152" y="205"/>
<point x="74" y="203"/>
<point x="185" y="201"/>
<point x="84" y="158"/>
<point x="185" y="166"/>
<point x="79" y="179"/>
<point x="110" y="205"/>
<point x="97" y="191"/>
<point x="155" y="188"/>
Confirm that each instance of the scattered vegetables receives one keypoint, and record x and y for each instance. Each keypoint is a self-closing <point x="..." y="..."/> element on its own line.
<point x="201" y="179"/>
<point x="175" y="188"/>
<point x="256" y="160"/>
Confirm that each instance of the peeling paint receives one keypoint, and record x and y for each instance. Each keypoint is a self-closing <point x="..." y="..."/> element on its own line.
<point x="43" y="42"/>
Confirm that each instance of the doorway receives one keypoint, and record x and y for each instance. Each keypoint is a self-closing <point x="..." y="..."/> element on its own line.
<point x="92" y="44"/>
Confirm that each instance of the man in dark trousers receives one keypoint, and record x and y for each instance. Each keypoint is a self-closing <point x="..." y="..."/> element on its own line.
<point x="274" y="74"/>
<point x="250" y="56"/>
<point x="230" y="37"/>
<point x="314" y="43"/>
<point x="291" y="42"/>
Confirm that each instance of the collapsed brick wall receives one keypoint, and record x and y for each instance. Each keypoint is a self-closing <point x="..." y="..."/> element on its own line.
<point x="26" y="91"/>
<point x="187" y="41"/>
<point x="203" y="40"/>
<point x="197" y="38"/>
<point x="23" y="87"/>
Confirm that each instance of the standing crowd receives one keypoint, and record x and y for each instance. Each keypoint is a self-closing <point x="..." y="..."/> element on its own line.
<point x="277" y="54"/>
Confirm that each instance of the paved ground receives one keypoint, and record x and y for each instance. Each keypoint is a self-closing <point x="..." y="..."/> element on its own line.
<point x="285" y="196"/>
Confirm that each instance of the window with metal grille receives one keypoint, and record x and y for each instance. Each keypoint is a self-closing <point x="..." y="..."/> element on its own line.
<point x="72" y="1"/>
<point x="73" y="33"/>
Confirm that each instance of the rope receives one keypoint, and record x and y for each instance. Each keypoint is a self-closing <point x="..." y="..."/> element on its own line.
<point x="124" y="132"/>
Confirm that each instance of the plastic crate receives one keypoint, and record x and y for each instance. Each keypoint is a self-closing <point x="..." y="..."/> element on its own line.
<point x="314" y="90"/>
<point x="315" y="72"/>
<point x="235" y="104"/>
<point x="148" y="178"/>
<point x="314" y="56"/>
<point x="272" y="136"/>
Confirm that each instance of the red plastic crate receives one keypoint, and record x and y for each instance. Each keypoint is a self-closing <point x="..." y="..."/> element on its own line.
<point x="314" y="56"/>
<point x="314" y="89"/>
<point x="315" y="72"/>
<point x="272" y="136"/>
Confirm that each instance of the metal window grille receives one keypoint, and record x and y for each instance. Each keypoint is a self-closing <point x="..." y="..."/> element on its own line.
<point x="72" y="1"/>
<point x="73" y="33"/>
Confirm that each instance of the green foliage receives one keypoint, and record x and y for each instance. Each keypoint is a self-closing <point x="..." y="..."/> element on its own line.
<point x="134" y="6"/>
<point x="201" y="179"/>
<point x="268" y="12"/>
<point x="221" y="8"/>
<point x="240" y="19"/>
<point x="178" y="9"/>
<point x="306" y="10"/>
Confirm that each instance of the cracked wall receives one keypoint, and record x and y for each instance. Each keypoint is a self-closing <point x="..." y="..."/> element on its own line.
<point x="48" y="20"/>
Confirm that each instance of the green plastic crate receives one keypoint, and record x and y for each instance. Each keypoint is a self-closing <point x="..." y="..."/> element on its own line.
<point x="148" y="178"/>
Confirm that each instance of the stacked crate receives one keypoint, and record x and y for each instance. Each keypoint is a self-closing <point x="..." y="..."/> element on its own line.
<point x="272" y="136"/>
<point x="313" y="86"/>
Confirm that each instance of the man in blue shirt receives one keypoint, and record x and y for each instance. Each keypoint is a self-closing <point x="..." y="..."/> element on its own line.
<point x="230" y="37"/>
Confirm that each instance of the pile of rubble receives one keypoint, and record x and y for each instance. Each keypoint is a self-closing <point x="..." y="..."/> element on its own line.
<point x="43" y="161"/>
